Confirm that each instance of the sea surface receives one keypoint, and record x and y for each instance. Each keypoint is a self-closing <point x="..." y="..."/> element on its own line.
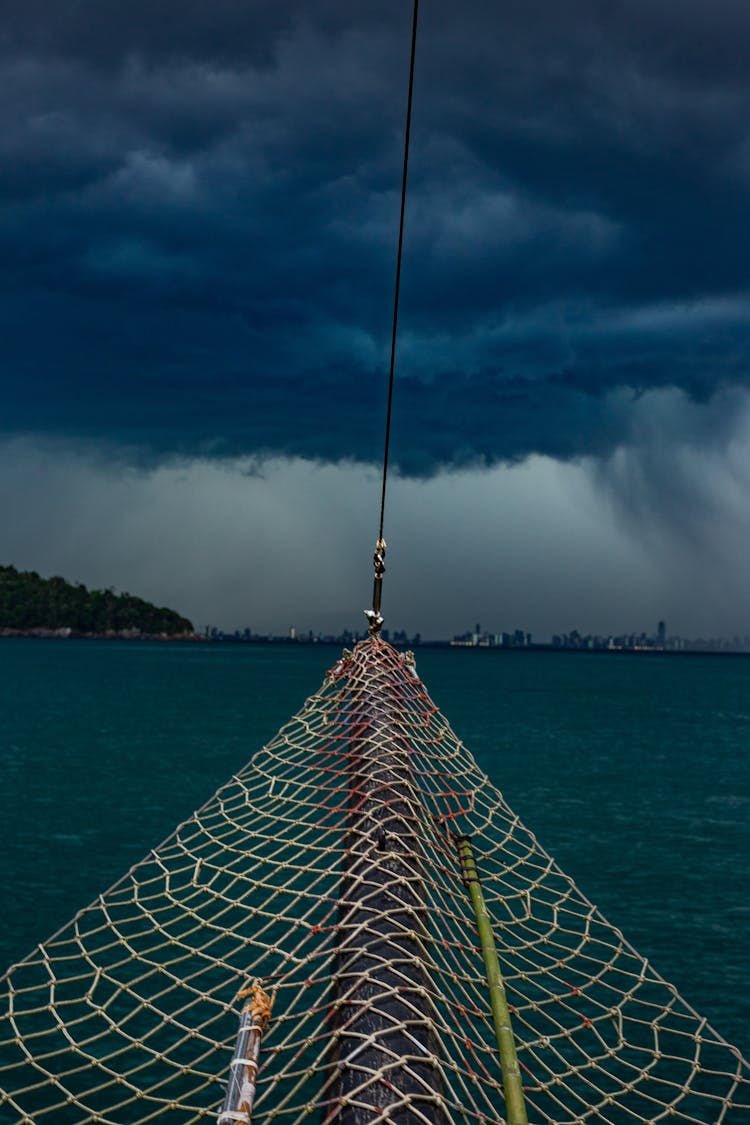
<point x="633" y="771"/>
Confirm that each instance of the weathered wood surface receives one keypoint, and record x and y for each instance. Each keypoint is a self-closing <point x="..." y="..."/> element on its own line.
<point x="386" y="1050"/>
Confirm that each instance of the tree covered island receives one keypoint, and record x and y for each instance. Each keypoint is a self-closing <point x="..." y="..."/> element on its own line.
<point x="44" y="606"/>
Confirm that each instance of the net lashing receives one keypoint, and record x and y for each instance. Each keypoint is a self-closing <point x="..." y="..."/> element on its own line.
<point x="327" y="872"/>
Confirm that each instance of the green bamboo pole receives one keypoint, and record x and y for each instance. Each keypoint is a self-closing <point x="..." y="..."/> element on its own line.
<point x="515" y="1105"/>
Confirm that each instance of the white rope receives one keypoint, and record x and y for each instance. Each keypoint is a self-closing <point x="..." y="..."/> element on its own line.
<point x="129" y="1014"/>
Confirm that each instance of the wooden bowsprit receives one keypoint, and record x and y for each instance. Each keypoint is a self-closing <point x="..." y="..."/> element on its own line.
<point x="385" y="1043"/>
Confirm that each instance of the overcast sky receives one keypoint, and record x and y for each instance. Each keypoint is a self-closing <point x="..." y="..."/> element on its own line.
<point x="198" y="214"/>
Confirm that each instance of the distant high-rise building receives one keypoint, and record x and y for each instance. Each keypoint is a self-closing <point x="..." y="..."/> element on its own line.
<point x="661" y="634"/>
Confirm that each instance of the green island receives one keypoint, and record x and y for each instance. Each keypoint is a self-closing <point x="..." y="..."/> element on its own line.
<point x="33" y="605"/>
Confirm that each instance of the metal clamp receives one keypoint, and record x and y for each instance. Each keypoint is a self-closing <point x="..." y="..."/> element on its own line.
<point x="374" y="616"/>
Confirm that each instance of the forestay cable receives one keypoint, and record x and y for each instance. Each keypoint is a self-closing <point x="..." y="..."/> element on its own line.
<point x="374" y="614"/>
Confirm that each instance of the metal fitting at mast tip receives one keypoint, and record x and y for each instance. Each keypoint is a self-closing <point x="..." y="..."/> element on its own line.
<point x="374" y="615"/>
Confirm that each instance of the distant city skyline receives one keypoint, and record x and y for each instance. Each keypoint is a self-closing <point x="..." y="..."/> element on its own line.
<point x="659" y="641"/>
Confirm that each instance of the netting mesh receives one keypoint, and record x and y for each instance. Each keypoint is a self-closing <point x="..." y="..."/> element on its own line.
<point x="328" y="869"/>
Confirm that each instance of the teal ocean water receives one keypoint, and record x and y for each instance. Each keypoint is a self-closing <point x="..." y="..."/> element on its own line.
<point x="632" y="771"/>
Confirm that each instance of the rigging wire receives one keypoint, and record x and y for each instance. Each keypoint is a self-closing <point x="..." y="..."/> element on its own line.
<point x="374" y="615"/>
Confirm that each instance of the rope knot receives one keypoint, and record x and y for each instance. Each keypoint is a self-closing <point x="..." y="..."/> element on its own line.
<point x="258" y="1004"/>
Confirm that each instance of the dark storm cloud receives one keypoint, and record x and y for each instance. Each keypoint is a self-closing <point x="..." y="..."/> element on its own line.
<point x="198" y="205"/>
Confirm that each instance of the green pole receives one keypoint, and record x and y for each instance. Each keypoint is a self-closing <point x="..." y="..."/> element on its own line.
<point x="515" y="1105"/>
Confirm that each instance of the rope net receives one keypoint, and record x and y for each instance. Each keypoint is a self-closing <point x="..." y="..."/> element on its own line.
<point x="327" y="871"/>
